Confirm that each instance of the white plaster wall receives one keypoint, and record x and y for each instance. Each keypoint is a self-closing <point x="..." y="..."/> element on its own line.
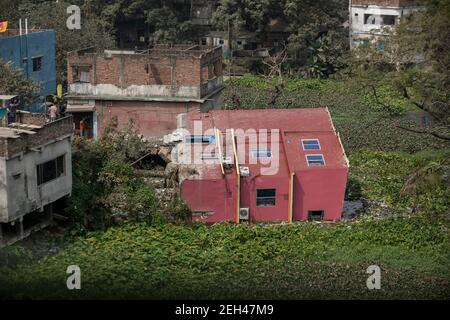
<point x="134" y="90"/>
<point x="3" y="192"/>
<point x="358" y="25"/>
<point x="23" y="194"/>
<point x="361" y="30"/>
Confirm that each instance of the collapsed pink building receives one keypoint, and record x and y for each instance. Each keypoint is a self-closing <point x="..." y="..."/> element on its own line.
<point x="299" y="174"/>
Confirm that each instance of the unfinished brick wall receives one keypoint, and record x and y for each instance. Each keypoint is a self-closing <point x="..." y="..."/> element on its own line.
<point x="50" y="132"/>
<point x="37" y="119"/>
<point x="158" y="67"/>
<point x="11" y="146"/>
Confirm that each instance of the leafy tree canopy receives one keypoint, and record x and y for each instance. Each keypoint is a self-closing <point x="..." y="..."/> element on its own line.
<point x="13" y="82"/>
<point x="414" y="61"/>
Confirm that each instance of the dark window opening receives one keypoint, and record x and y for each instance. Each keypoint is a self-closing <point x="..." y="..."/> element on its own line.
<point x="200" y="139"/>
<point x="369" y="19"/>
<point x="315" y="215"/>
<point x="50" y="170"/>
<point x="265" y="197"/>
<point x="37" y="64"/>
<point x="389" y="20"/>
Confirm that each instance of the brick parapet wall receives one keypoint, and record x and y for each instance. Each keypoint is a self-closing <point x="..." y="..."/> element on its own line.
<point x="49" y="132"/>
<point x="155" y="67"/>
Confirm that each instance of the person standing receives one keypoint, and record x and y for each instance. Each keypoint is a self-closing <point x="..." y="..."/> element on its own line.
<point x="53" y="112"/>
<point x="82" y="128"/>
<point x="12" y="110"/>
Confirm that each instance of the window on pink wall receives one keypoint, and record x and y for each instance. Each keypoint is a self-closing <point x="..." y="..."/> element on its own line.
<point x="315" y="215"/>
<point x="266" y="197"/>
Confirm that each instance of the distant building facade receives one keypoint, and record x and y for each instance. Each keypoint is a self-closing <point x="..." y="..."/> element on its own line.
<point x="369" y="18"/>
<point x="150" y="87"/>
<point x="35" y="54"/>
<point x="35" y="171"/>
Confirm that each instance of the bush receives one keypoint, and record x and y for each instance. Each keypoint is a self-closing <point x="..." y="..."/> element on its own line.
<point x="383" y="175"/>
<point x="353" y="190"/>
<point x="105" y="189"/>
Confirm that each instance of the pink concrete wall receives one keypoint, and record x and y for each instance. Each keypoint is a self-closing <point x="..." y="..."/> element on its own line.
<point x="319" y="189"/>
<point x="150" y="118"/>
<point x="314" y="189"/>
<point x="211" y="195"/>
<point x="279" y="212"/>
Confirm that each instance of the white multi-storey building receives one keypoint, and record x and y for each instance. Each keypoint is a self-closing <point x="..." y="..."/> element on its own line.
<point x="35" y="171"/>
<point x="370" y="18"/>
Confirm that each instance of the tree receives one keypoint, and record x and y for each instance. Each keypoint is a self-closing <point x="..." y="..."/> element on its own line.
<point x="106" y="191"/>
<point x="9" y="10"/>
<point x="250" y="15"/>
<point x="166" y="20"/>
<point x="319" y="39"/>
<point x="414" y="62"/>
<point x="13" y="82"/>
<point x="168" y="27"/>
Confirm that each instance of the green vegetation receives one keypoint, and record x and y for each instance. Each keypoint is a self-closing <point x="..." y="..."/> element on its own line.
<point x="360" y="121"/>
<point x="305" y="260"/>
<point x="387" y="177"/>
<point x="227" y="261"/>
<point x="412" y="66"/>
<point x="105" y="189"/>
<point x="12" y="82"/>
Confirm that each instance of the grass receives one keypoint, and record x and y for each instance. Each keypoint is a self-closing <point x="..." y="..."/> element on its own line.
<point x="226" y="261"/>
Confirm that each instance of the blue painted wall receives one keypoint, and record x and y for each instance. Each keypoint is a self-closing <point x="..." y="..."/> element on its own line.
<point x="22" y="49"/>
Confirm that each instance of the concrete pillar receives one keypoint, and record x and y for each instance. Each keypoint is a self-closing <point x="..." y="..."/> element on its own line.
<point x="49" y="210"/>
<point x="95" y="126"/>
<point x="19" y="228"/>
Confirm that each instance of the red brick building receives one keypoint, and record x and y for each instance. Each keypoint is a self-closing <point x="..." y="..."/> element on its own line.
<point x="262" y="165"/>
<point x="150" y="87"/>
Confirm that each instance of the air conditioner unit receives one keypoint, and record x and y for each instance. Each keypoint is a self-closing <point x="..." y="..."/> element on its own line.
<point x="245" y="171"/>
<point x="244" y="214"/>
<point x="227" y="160"/>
